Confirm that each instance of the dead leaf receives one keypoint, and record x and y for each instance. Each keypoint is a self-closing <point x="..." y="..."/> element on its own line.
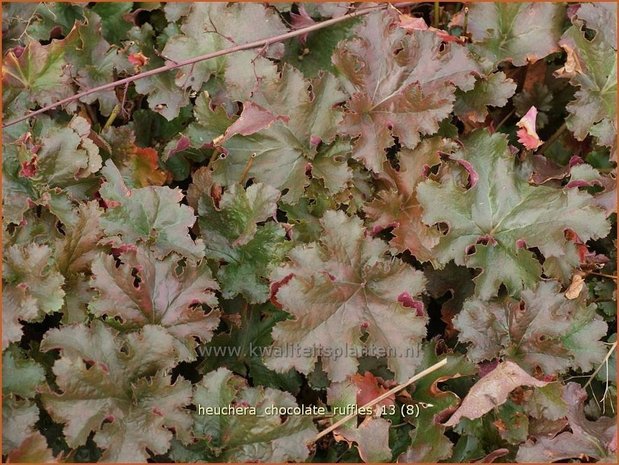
<point x="575" y="287"/>
<point x="527" y="135"/>
<point x="492" y="390"/>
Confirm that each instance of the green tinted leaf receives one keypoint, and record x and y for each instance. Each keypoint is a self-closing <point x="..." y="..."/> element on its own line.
<point x="115" y="27"/>
<point x="493" y="90"/>
<point x="34" y="75"/>
<point x="515" y="32"/>
<point x="32" y="288"/>
<point x="544" y="330"/>
<point x="229" y="224"/>
<point x="152" y="215"/>
<point x="168" y="294"/>
<point x="592" y="67"/>
<point x="492" y="224"/>
<point x="256" y="436"/>
<point x="297" y="137"/>
<point x="113" y="386"/>
<point x="25" y="375"/>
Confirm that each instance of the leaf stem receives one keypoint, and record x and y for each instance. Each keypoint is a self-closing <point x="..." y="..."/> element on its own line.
<point x="553" y="138"/>
<point x="112" y="118"/>
<point x="436" y="15"/>
<point x="383" y="396"/>
<point x="504" y="120"/>
<point x="226" y="51"/>
<point x="466" y="22"/>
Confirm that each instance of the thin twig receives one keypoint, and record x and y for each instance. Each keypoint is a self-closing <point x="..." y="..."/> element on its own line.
<point x="171" y="66"/>
<point x="383" y="396"/>
<point x="604" y="275"/>
<point x="605" y="361"/>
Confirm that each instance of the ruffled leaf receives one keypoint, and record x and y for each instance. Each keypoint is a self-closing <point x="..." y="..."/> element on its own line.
<point x="297" y="126"/>
<point x="117" y="388"/>
<point x="401" y="84"/>
<point x="517" y="32"/>
<point x="339" y="289"/>
<point x="592" y="67"/>
<point x="255" y="436"/>
<point x="32" y="288"/>
<point x="151" y="215"/>
<point x="231" y="224"/>
<point x="544" y="329"/>
<point x="397" y="206"/>
<point x="497" y="216"/>
<point x="146" y="291"/>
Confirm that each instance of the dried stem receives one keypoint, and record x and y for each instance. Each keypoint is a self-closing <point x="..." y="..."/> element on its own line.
<point x="174" y="65"/>
<point x="603" y="275"/>
<point x="605" y="361"/>
<point x="383" y="396"/>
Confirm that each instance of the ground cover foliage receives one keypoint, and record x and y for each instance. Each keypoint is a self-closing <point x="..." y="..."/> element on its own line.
<point x="309" y="224"/>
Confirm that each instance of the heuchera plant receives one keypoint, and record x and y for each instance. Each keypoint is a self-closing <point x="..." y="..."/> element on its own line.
<point x="309" y="222"/>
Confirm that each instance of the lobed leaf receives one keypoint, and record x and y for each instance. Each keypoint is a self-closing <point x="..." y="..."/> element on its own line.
<point x="544" y="329"/>
<point x="246" y="437"/>
<point x="34" y="75"/>
<point x="294" y="141"/>
<point x="517" y="32"/>
<point x="228" y="223"/>
<point x="151" y="215"/>
<point x="145" y="291"/>
<point x="592" y="67"/>
<point x="32" y="288"/>
<point x="494" y="221"/>
<point x="397" y="206"/>
<point x="117" y="388"/>
<point x="344" y="296"/>
<point x="401" y="84"/>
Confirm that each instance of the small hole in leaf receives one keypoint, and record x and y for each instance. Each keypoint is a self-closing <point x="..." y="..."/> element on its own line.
<point x="589" y="34"/>
<point x="442" y="227"/>
<point x="136" y="278"/>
